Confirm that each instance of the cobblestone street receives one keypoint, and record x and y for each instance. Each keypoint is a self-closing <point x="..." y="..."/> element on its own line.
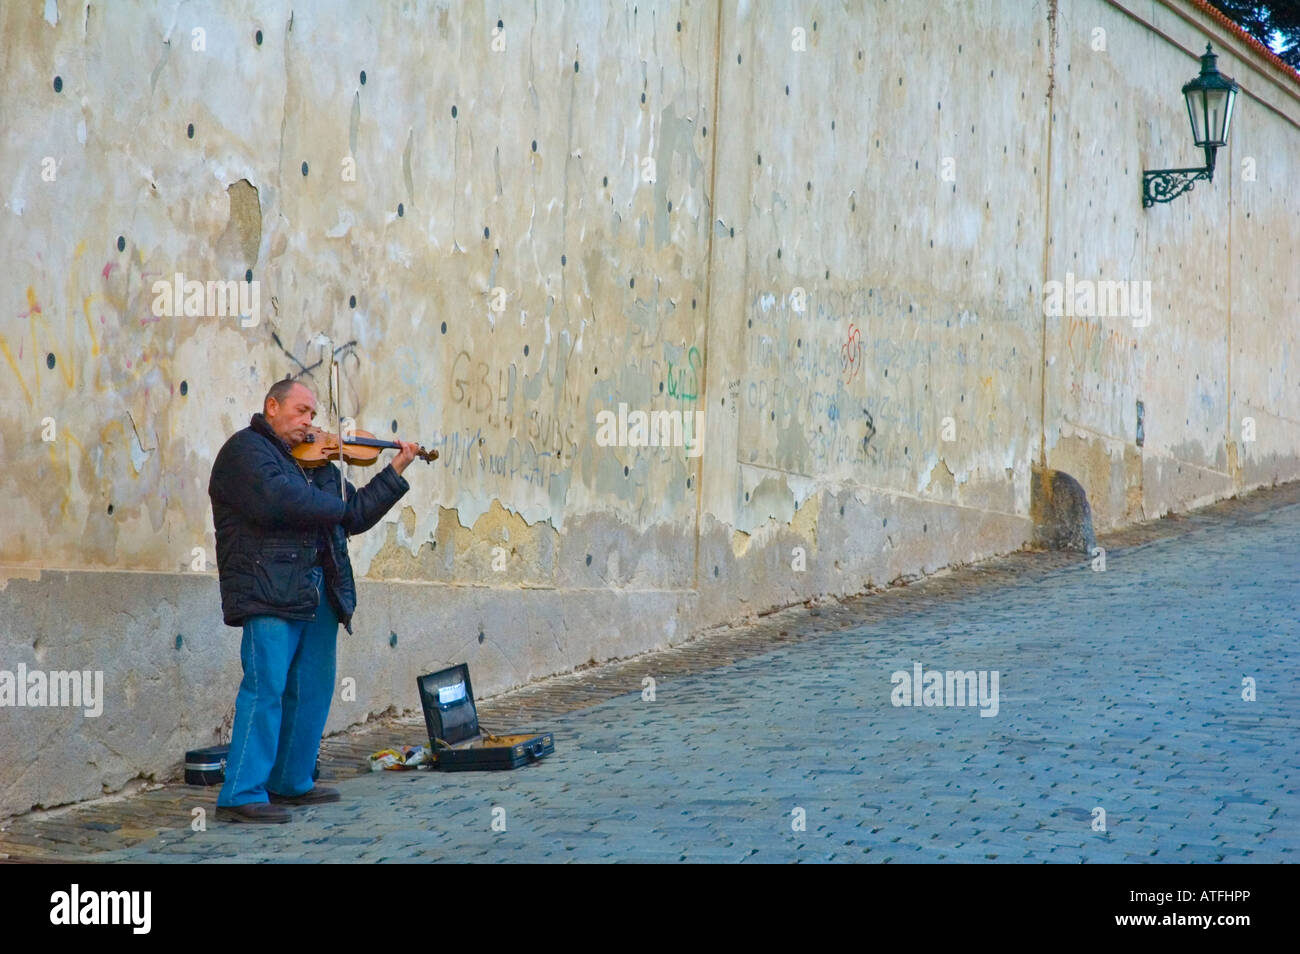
<point x="1120" y="690"/>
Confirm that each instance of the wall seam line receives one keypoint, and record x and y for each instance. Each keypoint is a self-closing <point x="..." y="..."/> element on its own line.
<point x="708" y="288"/>
<point x="1047" y="235"/>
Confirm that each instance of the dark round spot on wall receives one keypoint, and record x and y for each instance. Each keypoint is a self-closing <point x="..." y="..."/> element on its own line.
<point x="49" y="361"/>
<point x="715" y="571"/>
<point x="185" y="388"/>
<point x="444" y="327"/>
<point x="774" y="415"/>
<point x="885" y="522"/>
<point x="832" y="125"/>
<point x="679" y="26"/>
<point x="704" y="130"/>
<point x="304" y="167"/>
<point x="486" y="232"/>
<point x="392" y="639"/>
<point x="180" y="640"/>
<point x="58" y="84"/>
<point x="737" y="58"/>
<point x="605" y="181"/>
<point x="534" y="145"/>
<point x="248" y="275"/>
<point x="481" y="637"/>
<point x="189" y="131"/>
<point x="787" y="89"/>
<point x="643" y="97"/>
<point x="525" y="351"/>
<point x="257" y="37"/>
<point x="363" y="77"/>
<point x="751" y="323"/>
<point x="401" y="210"/>
<point x="670" y="205"/>
<point x="121" y="243"/>
<point x="809" y="187"/>
<point x="692" y="302"/>
<point x="575" y="66"/>
<point x="841" y="510"/>
<point x="564" y="260"/>
<point x="746" y="495"/>
<point x="588" y="559"/>
<point x="453" y="112"/>
<point x="595" y="370"/>
<point x="661" y="387"/>
<point x="352" y="301"/>
<point x="925" y="528"/>
<point x="631" y="283"/>
<point x="778" y="253"/>
<point x="828" y="274"/>
<point x="394" y="425"/>
<point x="798" y="342"/>
<point x="733" y="232"/>
<point x="625" y="472"/>
<point x="110" y="510"/>
<point x="500" y="25"/>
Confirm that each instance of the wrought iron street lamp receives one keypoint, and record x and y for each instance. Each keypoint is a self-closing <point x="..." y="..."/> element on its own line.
<point x="1209" y="107"/>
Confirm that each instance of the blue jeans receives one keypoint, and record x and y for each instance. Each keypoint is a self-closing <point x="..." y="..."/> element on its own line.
<point x="283" y="702"/>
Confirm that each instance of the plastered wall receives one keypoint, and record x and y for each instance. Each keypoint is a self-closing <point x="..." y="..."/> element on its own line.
<point x="822" y="233"/>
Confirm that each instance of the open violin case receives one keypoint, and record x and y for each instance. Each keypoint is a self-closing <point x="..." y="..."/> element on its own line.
<point x="457" y="742"/>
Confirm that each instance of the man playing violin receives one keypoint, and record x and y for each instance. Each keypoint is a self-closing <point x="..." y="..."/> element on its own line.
<point x="282" y="560"/>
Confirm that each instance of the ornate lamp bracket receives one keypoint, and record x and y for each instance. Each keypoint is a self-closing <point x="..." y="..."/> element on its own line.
<point x="1165" y="185"/>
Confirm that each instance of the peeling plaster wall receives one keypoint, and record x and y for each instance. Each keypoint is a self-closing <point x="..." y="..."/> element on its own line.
<point x="503" y="231"/>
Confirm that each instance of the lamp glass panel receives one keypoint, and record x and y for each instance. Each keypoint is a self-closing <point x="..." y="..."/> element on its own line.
<point x="1196" y="113"/>
<point x="1216" y="106"/>
<point x="1227" y="119"/>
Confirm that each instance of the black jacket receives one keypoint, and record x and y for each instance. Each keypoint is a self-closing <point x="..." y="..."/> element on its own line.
<point x="269" y="513"/>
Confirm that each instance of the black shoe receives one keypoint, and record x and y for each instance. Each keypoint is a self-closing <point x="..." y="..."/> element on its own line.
<point x="313" y="796"/>
<point x="255" y="813"/>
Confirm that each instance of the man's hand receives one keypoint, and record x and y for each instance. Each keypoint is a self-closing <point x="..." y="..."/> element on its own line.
<point x="404" y="456"/>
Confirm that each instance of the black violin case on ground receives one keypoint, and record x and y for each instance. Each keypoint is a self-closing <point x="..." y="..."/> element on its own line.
<point x="455" y="739"/>
<point x="208" y="766"/>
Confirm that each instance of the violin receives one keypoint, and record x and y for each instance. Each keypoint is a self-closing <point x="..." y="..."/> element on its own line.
<point x="320" y="447"/>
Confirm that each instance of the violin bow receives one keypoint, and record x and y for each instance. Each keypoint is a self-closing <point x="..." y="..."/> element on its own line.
<point x="338" y="415"/>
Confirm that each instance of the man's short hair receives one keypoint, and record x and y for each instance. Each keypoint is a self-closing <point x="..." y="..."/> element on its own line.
<point x="279" y="390"/>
